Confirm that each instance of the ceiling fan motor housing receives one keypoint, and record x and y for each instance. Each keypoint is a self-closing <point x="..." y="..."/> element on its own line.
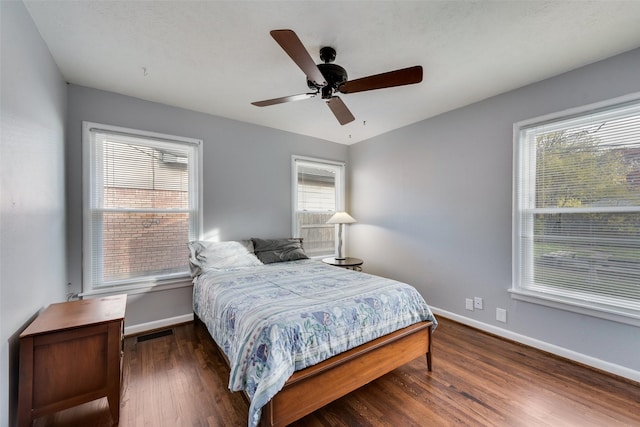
<point x="334" y="74"/>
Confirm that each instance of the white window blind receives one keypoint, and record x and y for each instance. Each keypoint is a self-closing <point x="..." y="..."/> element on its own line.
<point x="318" y="191"/>
<point x="577" y="209"/>
<point x="141" y="206"/>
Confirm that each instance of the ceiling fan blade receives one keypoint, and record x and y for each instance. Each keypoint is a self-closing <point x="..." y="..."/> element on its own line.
<point x="284" y="99"/>
<point x="340" y="110"/>
<point x="404" y="76"/>
<point x="291" y="44"/>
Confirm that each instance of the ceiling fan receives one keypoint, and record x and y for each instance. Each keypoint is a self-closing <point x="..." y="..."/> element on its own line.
<point x="327" y="79"/>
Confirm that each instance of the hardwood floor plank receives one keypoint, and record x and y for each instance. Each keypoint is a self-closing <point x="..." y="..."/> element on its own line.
<point x="477" y="380"/>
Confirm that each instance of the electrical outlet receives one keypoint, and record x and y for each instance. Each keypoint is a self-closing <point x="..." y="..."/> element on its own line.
<point x="468" y="304"/>
<point x="501" y="315"/>
<point x="477" y="303"/>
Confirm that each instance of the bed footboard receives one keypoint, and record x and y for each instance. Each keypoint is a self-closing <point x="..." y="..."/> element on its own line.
<point x="314" y="387"/>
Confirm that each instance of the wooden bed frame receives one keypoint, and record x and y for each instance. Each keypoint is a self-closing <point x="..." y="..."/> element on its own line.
<point x="316" y="386"/>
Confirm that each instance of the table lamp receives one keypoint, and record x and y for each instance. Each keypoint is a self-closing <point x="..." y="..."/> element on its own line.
<point x="340" y="218"/>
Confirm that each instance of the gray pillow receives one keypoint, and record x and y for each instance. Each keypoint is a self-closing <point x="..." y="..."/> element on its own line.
<point x="278" y="250"/>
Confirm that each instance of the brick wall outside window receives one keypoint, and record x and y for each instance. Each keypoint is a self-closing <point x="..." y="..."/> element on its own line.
<point x="142" y="243"/>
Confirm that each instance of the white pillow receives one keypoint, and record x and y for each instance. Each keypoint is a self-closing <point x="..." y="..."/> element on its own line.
<point x="204" y="255"/>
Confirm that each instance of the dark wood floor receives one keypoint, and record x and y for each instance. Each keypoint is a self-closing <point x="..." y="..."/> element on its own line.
<point x="477" y="380"/>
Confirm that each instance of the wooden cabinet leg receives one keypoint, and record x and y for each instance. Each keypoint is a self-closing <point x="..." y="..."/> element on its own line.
<point x="24" y="419"/>
<point x="114" y="406"/>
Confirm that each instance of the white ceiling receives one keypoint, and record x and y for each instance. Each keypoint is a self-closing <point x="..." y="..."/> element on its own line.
<point x="217" y="57"/>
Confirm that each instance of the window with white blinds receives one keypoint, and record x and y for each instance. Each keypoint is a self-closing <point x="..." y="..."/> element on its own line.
<point x="142" y="206"/>
<point x="577" y="209"/>
<point x="318" y="192"/>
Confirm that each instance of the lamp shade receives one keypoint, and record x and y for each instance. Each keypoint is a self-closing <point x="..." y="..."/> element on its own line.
<point x="341" y="218"/>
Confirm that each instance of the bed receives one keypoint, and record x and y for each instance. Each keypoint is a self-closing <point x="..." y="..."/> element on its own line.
<point x="298" y="333"/>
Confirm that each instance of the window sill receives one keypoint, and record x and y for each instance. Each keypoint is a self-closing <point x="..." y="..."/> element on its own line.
<point x="140" y="288"/>
<point x="619" y="315"/>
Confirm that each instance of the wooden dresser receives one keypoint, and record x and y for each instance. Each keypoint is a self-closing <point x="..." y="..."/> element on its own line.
<point x="71" y="354"/>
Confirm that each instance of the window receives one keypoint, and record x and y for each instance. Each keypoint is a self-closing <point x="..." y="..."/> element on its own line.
<point x="318" y="192"/>
<point x="577" y="211"/>
<point x="142" y="205"/>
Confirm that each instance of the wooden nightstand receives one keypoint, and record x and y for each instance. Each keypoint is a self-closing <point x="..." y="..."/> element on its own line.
<point x="350" y="263"/>
<point x="71" y="354"/>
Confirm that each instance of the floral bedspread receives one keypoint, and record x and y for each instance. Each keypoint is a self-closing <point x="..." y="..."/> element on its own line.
<point x="278" y="318"/>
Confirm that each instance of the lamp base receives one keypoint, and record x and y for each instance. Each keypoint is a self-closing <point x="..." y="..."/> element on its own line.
<point x="340" y="259"/>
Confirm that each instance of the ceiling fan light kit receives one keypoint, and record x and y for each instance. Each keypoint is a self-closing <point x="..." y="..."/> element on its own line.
<point x="327" y="78"/>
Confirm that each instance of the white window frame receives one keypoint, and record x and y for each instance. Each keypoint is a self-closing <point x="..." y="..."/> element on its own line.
<point x="522" y="254"/>
<point x="340" y="192"/>
<point x="150" y="282"/>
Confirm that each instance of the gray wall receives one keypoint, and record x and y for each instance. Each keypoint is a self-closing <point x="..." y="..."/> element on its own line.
<point x="247" y="179"/>
<point x="433" y="204"/>
<point x="32" y="209"/>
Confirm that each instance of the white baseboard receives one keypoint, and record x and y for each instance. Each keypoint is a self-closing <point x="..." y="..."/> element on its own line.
<point x="544" y="346"/>
<point x="157" y="324"/>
